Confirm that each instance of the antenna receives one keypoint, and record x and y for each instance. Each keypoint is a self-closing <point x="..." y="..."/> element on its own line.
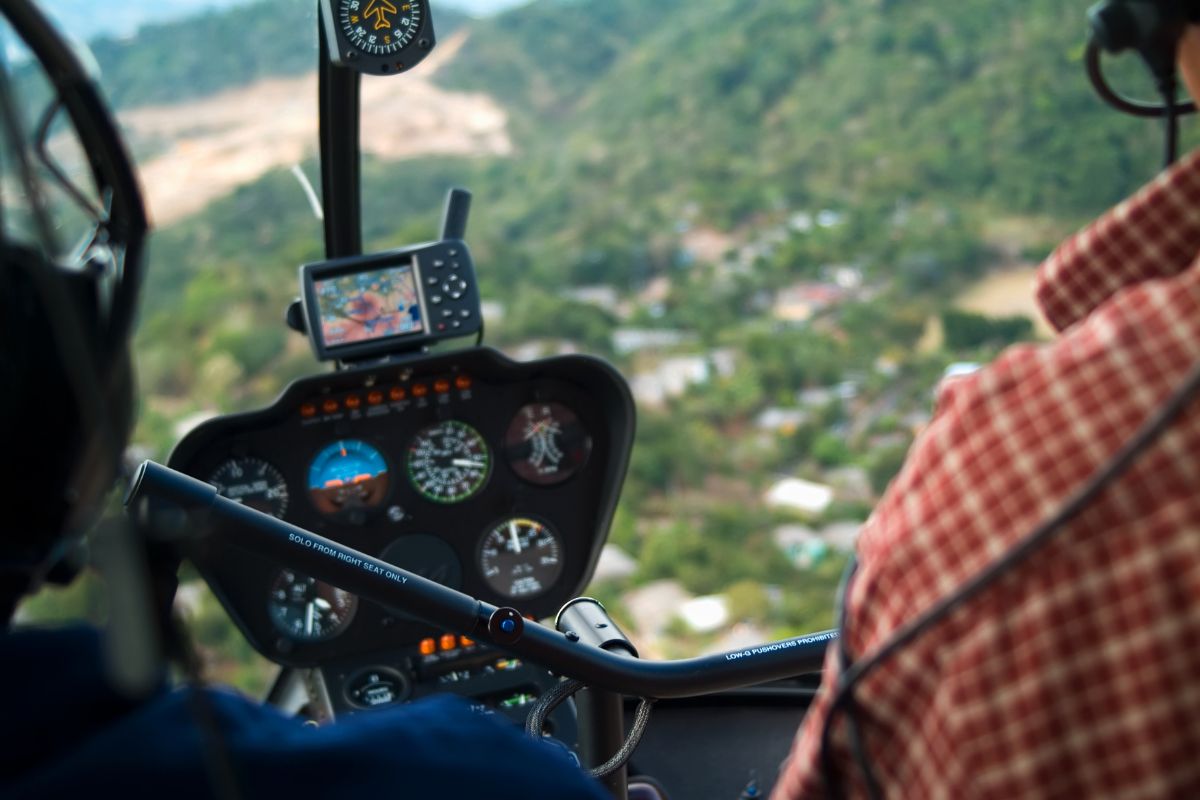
<point x="454" y="218"/>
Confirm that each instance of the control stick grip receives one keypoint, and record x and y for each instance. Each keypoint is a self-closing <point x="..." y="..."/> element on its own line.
<point x="585" y="619"/>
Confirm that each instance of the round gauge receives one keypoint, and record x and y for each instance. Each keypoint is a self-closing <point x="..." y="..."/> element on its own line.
<point x="307" y="610"/>
<point x="348" y="475"/>
<point x="546" y="443"/>
<point x="379" y="27"/>
<point x="448" y="462"/>
<point x="252" y="482"/>
<point x="520" y="557"/>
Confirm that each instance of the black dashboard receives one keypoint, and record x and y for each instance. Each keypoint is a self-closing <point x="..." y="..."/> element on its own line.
<point x="493" y="477"/>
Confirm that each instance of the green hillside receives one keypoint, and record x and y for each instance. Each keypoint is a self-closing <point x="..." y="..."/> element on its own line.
<point x="637" y="122"/>
<point x="179" y="60"/>
<point x="829" y="101"/>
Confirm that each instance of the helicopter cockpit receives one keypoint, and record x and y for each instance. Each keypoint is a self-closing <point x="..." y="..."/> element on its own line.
<point x="424" y="455"/>
<point x="417" y="513"/>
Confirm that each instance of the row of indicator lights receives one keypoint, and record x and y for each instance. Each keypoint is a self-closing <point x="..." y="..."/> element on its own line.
<point x="377" y="396"/>
<point x="448" y="641"/>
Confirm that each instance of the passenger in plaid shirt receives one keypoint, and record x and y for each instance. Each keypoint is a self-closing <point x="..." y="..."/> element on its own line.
<point x="1078" y="673"/>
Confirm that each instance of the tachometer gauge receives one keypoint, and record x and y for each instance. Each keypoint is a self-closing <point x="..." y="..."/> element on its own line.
<point x="448" y="462"/>
<point x="307" y="610"/>
<point x="252" y="482"/>
<point x="348" y="475"/>
<point x="378" y="36"/>
<point x="520" y="557"/>
<point x="546" y="444"/>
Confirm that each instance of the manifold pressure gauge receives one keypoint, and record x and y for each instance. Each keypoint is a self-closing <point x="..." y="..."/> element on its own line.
<point x="377" y="37"/>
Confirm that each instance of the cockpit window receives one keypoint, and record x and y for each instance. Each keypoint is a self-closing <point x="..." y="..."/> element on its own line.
<point x="48" y="197"/>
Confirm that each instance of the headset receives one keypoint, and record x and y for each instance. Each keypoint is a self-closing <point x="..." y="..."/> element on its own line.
<point x="1152" y="29"/>
<point x="65" y="313"/>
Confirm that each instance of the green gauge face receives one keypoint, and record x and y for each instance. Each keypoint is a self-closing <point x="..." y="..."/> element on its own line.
<point x="448" y="462"/>
<point x="379" y="27"/>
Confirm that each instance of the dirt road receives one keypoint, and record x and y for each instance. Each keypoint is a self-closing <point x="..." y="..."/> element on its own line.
<point x="203" y="149"/>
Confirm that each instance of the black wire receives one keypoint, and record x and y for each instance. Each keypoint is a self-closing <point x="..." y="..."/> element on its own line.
<point x="1171" y="122"/>
<point x="1043" y="533"/>
<point x="535" y="723"/>
<point x="833" y="787"/>
<point x="1137" y="108"/>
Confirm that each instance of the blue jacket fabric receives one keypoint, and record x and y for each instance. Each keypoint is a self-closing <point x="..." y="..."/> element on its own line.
<point x="66" y="733"/>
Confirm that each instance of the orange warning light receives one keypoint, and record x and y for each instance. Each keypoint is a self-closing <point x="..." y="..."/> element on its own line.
<point x="427" y="647"/>
<point x="441" y="386"/>
<point x="329" y="406"/>
<point x="353" y="401"/>
<point x="463" y="381"/>
<point x="308" y="410"/>
<point x="374" y="398"/>
<point x="449" y="641"/>
<point x="397" y="393"/>
<point x="420" y="390"/>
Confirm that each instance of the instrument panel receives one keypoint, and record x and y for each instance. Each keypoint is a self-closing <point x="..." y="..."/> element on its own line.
<point x="492" y="477"/>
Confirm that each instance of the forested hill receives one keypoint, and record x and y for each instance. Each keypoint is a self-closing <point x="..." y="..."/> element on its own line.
<point x="635" y="123"/>
<point x="738" y="106"/>
<point x="741" y="106"/>
<point x="219" y="49"/>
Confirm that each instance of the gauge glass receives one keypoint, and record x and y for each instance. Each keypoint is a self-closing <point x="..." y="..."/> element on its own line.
<point x="307" y="610"/>
<point x="520" y="557"/>
<point x="448" y="462"/>
<point x="348" y="475"/>
<point x="252" y="482"/>
<point x="379" y="27"/>
<point x="546" y="444"/>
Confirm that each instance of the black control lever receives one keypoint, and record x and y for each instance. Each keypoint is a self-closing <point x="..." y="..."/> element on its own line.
<point x="175" y="506"/>
<point x="454" y="217"/>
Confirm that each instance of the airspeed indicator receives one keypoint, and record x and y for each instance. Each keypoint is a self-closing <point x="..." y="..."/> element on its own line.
<point x="448" y="462"/>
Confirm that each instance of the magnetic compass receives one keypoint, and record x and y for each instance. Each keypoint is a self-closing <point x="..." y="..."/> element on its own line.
<point x="377" y="36"/>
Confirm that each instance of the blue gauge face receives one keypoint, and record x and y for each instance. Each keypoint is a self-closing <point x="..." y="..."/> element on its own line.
<point x="348" y="474"/>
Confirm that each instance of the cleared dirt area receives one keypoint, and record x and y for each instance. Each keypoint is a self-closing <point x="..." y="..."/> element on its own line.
<point x="202" y="149"/>
<point x="1008" y="292"/>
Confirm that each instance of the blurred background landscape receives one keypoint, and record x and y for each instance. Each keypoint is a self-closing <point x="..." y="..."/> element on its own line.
<point x="785" y="222"/>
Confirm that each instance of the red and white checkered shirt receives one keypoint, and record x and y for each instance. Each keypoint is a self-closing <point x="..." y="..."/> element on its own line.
<point x="1078" y="673"/>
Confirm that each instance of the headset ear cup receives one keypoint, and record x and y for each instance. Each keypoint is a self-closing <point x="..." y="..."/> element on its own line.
<point x="69" y="442"/>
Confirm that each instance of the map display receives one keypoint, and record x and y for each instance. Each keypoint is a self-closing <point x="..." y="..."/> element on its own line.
<point x="369" y="306"/>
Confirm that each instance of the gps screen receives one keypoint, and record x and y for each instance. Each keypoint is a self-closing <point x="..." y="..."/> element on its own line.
<point x="367" y="306"/>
